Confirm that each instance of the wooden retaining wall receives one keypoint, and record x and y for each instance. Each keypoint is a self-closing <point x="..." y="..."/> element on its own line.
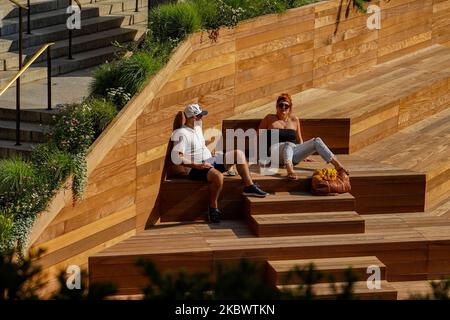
<point x="247" y="67"/>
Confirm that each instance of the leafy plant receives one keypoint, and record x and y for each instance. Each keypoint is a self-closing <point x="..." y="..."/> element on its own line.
<point x="307" y="276"/>
<point x="102" y="113"/>
<point x="23" y="195"/>
<point x="53" y="164"/>
<point x="6" y="228"/>
<point x="174" y="21"/>
<point x="358" y="5"/>
<point x="80" y="175"/>
<point x="178" y="286"/>
<point x="15" y="175"/>
<point x="118" y="96"/>
<point x="73" y="131"/>
<point x="88" y="291"/>
<point x="20" y="279"/>
<point x="242" y="282"/>
<point x="105" y="76"/>
<point x="440" y="290"/>
<point x="134" y="71"/>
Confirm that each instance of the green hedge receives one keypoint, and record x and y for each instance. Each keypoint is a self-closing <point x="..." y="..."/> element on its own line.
<point x="28" y="185"/>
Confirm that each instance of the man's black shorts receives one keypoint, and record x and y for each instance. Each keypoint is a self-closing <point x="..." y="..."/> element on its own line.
<point x="201" y="174"/>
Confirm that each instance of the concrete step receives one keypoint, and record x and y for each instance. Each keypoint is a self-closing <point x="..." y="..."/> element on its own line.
<point x="81" y="60"/>
<point x="113" y="6"/>
<point x="44" y="19"/>
<point x="42" y="116"/>
<point x="29" y="132"/>
<point x="299" y="202"/>
<point x="10" y="11"/>
<point x="60" y="32"/>
<point x="59" y="16"/>
<point x="63" y="65"/>
<point x="277" y="271"/>
<point x="9" y="60"/>
<point x="39" y="6"/>
<point x="8" y="148"/>
<point x="304" y="224"/>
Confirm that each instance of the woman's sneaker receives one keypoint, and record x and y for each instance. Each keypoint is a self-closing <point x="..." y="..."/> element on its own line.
<point x="213" y="215"/>
<point x="254" y="191"/>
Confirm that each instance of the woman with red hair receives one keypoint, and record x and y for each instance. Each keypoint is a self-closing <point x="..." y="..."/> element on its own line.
<point x="291" y="147"/>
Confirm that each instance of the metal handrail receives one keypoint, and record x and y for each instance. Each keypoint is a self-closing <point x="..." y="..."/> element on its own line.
<point x="16" y="78"/>
<point x="27" y="7"/>
<point x="19" y="4"/>
<point x="25" y="67"/>
<point x="70" y="30"/>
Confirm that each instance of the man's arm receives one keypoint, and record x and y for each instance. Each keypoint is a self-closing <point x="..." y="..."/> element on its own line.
<point x="187" y="163"/>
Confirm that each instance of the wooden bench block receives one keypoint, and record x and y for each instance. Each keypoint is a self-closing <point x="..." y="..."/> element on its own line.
<point x="277" y="271"/>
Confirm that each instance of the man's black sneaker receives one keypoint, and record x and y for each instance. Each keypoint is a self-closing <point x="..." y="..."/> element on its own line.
<point x="214" y="215"/>
<point x="254" y="191"/>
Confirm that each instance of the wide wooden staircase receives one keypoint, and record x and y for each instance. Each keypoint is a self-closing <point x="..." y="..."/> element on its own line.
<point x="390" y="127"/>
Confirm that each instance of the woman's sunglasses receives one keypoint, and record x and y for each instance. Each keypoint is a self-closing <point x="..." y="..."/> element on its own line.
<point x="283" y="106"/>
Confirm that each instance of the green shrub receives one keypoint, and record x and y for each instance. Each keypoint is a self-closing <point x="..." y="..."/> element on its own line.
<point x="102" y="113"/>
<point x="104" y="77"/>
<point x="208" y="11"/>
<point x="174" y="21"/>
<point x="73" y="131"/>
<point x="23" y="195"/>
<point x="299" y="3"/>
<point x="257" y="8"/>
<point x="54" y="165"/>
<point x="118" y="96"/>
<point x="135" y="70"/>
<point x="16" y="175"/>
<point x="6" y="228"/>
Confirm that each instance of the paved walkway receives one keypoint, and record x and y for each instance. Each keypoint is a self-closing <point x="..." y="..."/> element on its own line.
<point x="67" y="88"/>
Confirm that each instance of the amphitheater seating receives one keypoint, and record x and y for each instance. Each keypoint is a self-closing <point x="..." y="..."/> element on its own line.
<point x="394" y="122"/>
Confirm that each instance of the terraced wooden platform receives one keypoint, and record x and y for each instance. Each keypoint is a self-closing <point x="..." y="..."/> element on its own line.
<point x="425" y="148"/>
<point x="358" y="111"/>
<point x="393" y="120"/>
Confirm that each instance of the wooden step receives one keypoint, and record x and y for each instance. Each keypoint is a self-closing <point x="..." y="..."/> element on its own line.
<point x="360" y="291"/>
<point x="299" y="202"/>
<point x="277" y="271"/>
<point x="298" y="224"/>
<point x="423" y="147"/>
<point x="377" y="188"/>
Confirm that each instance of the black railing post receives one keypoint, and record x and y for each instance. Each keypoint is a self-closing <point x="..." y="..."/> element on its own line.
<point x="137" y="5"/>
<point x="28" y="17"/>
<point x="70" y="34"/>
<point x="18" y="80"/>
<point x="49" y="78"/>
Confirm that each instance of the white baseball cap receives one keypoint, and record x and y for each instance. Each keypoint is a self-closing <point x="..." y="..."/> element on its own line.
<point x="194" y="109"/>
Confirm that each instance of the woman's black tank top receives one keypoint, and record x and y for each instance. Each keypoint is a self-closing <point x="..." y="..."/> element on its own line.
<point x="284" y="135"/>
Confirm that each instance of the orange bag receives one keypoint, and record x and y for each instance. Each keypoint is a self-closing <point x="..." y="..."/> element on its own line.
<point x="329" y="181"/>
